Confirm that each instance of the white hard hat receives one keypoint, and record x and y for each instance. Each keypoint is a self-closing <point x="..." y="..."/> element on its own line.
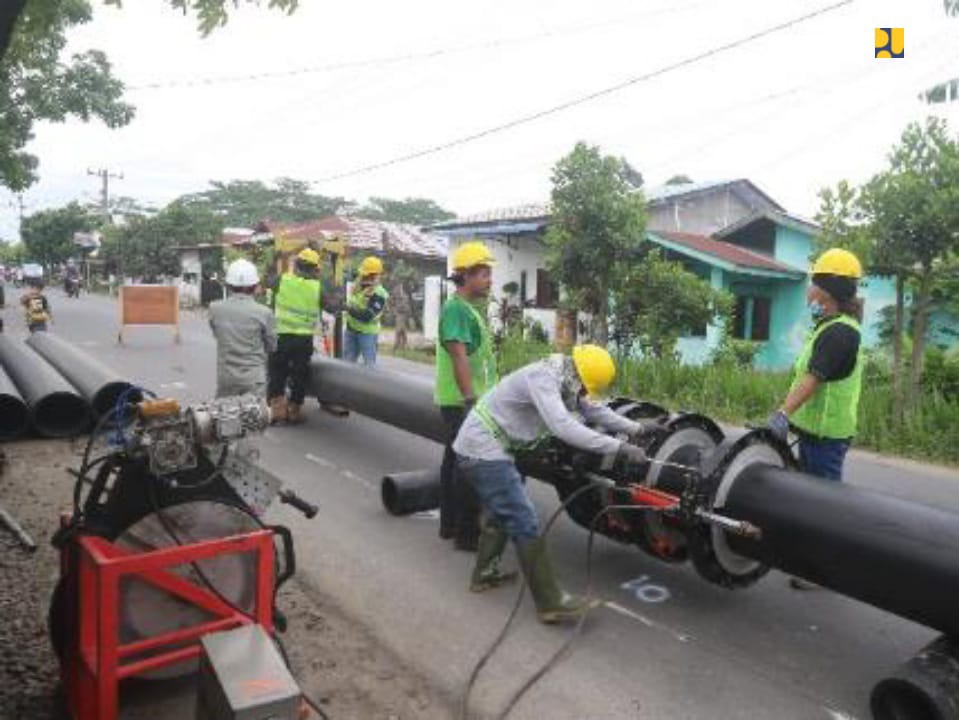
<point x="242" y="273"/>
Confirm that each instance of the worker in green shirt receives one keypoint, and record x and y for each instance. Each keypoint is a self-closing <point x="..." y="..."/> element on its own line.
<point x="364" y="307"/>
<point x="465" y="370"/>
<point x="822" y="405"/>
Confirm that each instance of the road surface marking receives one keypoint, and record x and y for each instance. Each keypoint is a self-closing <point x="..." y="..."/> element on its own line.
<point x="626" y="612"/>
<point x="356" y="478"/>
<point x="176" y="385"/>
<point x="646" y="591"/>
<point x="319" y="461"/>
<point x="838" y="714"/>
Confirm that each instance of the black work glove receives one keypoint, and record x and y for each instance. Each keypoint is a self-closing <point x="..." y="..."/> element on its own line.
<point x="647" y="431"/>
<point x="468" y="404"/>
<point x="778" y="424"/>
<point x="630" y="454"/>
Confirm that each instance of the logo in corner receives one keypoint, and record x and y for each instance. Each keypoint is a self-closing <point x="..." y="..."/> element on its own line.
<point x="890" y="43"/>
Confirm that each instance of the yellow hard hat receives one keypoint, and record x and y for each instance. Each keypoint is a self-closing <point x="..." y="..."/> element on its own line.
<point x="595" y="368"/>
<point x="470" y="255"/>
<point x="309" y="256"/>
<point x="838" y="262"/>
<point x="371" y="266"/>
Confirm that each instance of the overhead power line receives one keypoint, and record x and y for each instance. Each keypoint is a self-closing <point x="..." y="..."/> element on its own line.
<point x="590" y="97"/>
<point x="409" y="56"/>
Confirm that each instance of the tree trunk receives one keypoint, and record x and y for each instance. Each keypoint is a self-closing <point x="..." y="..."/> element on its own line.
<point x="919" y="324"/>
<point x="600" y="329"/>
<point x="898" y="404"/>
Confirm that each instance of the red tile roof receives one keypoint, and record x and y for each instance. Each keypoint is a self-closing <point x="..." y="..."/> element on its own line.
<point x="727" y="252"/>
<point x="366" y="235"/>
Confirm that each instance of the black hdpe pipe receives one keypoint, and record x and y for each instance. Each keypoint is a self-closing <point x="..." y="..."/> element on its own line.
<point x="101" y="386"/>
<point x="393" y="398"/>
<point x="410" y="492"/>
<point x="56" y="410"/>
<point x="14" y="417"/>
<point x="925" y="688"/>
<point x="897" y="555"/>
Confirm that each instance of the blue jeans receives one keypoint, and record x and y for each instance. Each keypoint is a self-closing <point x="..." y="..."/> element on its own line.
<point x="360" y="344"/>
<point x="502" y="494"/>
<point x="823" y="458"/>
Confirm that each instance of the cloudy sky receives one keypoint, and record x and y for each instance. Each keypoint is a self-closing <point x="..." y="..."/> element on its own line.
<point x="340" y="86"/>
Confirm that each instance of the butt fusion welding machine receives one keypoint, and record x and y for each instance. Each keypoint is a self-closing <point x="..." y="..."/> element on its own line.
<point x="165" y="552"/>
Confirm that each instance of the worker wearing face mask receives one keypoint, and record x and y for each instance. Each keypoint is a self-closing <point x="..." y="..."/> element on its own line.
<point x="823" y="401"/>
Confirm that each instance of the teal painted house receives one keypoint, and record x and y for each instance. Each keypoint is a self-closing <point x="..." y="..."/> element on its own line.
<point x="729" y="233"/>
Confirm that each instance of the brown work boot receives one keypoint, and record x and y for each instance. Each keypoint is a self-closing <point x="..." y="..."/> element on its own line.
<point x="294" y="414"/>
<point x="278" y="412"/>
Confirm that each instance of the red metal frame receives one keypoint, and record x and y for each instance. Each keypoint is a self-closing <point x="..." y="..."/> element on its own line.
<point x="96" y="661"/>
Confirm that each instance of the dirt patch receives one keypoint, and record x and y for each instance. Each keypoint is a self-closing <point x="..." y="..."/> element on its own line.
<point x="337" y="661"/>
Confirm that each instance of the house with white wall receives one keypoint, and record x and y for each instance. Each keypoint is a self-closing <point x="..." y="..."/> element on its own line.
<point x="730" y="233"/>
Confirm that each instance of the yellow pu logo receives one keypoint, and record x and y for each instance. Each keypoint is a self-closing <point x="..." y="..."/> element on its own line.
<point x="890" y="43"/>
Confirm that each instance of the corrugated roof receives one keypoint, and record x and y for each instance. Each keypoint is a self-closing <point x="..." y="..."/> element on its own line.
<point x="727" y="252"/>
<point x="368" y="235"/>
<point x="663" y="193"/>
<point x="781" y="218"/>
<point x="529" y="211"/>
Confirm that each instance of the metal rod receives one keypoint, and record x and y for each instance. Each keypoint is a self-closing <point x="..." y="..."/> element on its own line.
<point x="11" y="524"/>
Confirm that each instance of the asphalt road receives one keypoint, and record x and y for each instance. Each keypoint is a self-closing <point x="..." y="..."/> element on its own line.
<point x="666" y="645"/>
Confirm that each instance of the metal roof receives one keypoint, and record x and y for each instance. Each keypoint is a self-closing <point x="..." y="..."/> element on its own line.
<point x="725" y="253"/>
<point x="367" y="235"/>
<point x="779" y="218"/>
<point x="664" y="193"/>
<point x="530" y="211"/>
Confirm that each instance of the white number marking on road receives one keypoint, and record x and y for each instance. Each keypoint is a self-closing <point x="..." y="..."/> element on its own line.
<point x="646" y="591"/>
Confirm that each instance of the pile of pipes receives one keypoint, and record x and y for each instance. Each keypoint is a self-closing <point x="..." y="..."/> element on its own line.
<point x="50" y="388"/>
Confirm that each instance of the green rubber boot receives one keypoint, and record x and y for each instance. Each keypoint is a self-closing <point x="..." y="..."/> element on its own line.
<point x="553" y="604"/>
<point x="486" y="572"/>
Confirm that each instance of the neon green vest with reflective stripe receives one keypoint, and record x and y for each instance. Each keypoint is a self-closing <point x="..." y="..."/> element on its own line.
<point x="832" y="411"/>
<point x="482" y="366"/>
<point x="297" y="305"/>
<point x="358" y="300"/>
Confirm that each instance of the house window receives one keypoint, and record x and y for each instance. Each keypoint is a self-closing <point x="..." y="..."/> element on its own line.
<point x="762" y="307"/>
<point x="547" y="291"/>
<point x="751" y="317"/>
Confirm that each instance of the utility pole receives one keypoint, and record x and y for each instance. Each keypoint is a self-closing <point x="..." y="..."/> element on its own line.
<point x="105" y="177"/>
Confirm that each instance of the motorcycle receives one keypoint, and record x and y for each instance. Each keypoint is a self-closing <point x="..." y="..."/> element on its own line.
<point x="71" y="286"/>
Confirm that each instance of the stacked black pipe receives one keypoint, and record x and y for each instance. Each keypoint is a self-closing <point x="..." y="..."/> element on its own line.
<point x="53" y="388"/>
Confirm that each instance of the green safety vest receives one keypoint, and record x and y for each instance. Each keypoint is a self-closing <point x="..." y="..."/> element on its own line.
<point x="510" y="445"/>
<point x="358" y="301"/>
<point x="832" y="411"/>
<point x="297" y="305"/>
<point x="482" y="366"/>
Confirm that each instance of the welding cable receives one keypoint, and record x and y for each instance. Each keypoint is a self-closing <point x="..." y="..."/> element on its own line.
<point x="477" y="669"/>
<point x="577" y="630"/>
<point x="86" y="466"/>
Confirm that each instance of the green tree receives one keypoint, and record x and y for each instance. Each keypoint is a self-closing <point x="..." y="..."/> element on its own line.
<point x="412" y="211"/>
<point x="913" y="209"/>
<point x="147" y="246"/>
<point x="48" y="234"/>
<point x="680" y="179"/>
<point x="37" y="82"/>
<point x="659" y="301"/>
<point x="596" y="230"/>
<point x="12" y="253"/>
<point x="244" y="203"/>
